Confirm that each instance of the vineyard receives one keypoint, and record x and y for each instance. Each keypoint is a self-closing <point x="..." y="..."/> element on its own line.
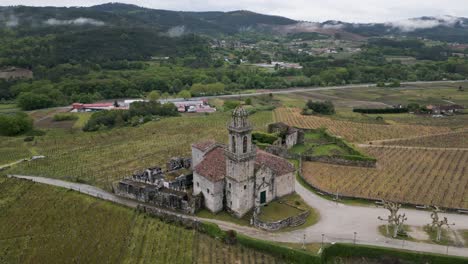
<point x="12" y="149"/>
<point x="353" y="131"/>
<point x="61" y="226"/>
<point x="100" y="158"/>
<point x="418" y="176"/>
<point x="452" y="140"/>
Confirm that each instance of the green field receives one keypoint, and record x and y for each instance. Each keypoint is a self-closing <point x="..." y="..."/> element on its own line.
<point x="44" y="224"/>
<point x="102" y="157"/>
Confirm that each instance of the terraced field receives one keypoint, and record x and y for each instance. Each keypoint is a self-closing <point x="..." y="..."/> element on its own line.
<point x="419" y="176"/>
<point x="43" y="224"/>
<point x="353" y="131"/>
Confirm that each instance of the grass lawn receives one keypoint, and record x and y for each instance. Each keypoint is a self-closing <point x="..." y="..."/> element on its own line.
<point x="464" y="233"/>
<point x="328" y="150"/>
<point x="383" y="232"/>
<point x="445" y="238"/>
<point x="224" y="216"/>
<point x="82" y="120"/>
<point x="9" y="108"/>
<point x="310" y="247"/>
<point x="276" y="211"/>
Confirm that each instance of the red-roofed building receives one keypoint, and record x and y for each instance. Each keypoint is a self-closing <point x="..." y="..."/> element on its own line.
<point x="239" y="177"/>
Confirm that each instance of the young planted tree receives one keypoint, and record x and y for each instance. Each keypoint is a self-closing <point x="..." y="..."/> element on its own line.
<point x="438" y="224"/>
<point x="394" y="220"/>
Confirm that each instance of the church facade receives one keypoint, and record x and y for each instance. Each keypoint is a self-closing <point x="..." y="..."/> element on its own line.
<point x="239" y="176"/>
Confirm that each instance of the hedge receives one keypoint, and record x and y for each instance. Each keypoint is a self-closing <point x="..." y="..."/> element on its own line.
<point x="288" y="254"/>
<point x="349" y="250"/>
<point x="381" y="110"/>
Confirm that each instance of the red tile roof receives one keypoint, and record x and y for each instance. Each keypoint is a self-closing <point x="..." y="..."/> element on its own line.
<point x="278" y="165"/>
<point x="213" y="166"/>
<point x="204" y="145"/>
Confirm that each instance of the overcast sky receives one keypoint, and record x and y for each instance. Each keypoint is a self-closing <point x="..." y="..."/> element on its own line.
<point x="309" y="10"/>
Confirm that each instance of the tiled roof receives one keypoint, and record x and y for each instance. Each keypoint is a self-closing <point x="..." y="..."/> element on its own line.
<point x="278" y="165"/>
<point x="204" y="145"/>
<point x="213" y="166"/>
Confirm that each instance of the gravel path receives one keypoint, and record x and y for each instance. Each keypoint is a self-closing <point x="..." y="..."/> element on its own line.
<point x="338" y="222"/>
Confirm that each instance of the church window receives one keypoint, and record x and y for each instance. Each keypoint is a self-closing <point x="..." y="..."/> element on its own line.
<point x="233" y="143"/>
<point x="263" y="179"/>
<point x="208" y="190"/>
<point x="245" y="144"/>
<point x="229" y="185"/>
<point x="245" y="187"/>
<point x="198" y="184"/>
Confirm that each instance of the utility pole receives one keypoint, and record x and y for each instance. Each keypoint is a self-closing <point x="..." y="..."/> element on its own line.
<point x="322" y="240"/>
<point x="354" y="240"/>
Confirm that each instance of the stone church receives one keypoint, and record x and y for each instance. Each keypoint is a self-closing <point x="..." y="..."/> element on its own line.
<point x="239" y="176"/>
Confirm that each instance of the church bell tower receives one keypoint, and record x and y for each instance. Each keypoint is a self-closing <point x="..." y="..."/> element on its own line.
<point x="240" y="162"/>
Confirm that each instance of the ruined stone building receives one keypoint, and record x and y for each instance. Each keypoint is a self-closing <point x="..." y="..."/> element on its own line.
<point x="12" y="73"/>
<point x="239" y="177"/>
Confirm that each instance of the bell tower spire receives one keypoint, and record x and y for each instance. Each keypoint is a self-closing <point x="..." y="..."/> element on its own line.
<point x="240" y="161"/>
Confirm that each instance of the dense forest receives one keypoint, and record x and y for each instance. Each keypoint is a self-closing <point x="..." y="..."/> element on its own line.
<point x="121" y="51"/>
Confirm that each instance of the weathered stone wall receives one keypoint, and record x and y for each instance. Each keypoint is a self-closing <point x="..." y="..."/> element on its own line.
<point x="291" y="140"/>
<point x="284" y="184"/>
<point x="264" y="182"/>
<point x="161" y="197"/>
<point x="197" y="156"/>
<point x="341" y="161"/>
<point x="281" y="152"/>
<point x="292" y="221"/>
<point x="213" y="192"/>
<point x="170" y="217"/>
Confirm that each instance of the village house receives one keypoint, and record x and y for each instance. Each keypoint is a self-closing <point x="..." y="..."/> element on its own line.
<point x="444" y="109"/>
<point x="239" y="177"/>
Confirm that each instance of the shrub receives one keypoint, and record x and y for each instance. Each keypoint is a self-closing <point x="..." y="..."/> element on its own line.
<point x="15" y="124"/>
<point x="64" y="117"/>
<point x="380" y="110"/>
<point x="265" y="138"/>
<point x="324" y="108"/>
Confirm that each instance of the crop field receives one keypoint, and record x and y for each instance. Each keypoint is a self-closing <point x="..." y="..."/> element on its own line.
<point x="100" y="158"/>
<point x="451" y="140"/>
<point x="12" y="149"/>
<point x="44" y="224"/>
<point x="354" y="131"/>
<point x="436" y="93"/>
<point x="419" y="176"/>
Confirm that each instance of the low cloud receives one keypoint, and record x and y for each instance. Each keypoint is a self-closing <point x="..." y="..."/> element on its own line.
<point x="76" y="22"/>
<point x="12" y="21"/>
<point x="413" y="24"/>
<point x="176" y="31"/>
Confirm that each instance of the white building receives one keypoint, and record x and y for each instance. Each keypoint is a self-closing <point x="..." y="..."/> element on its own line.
<point x="239" y="177"/>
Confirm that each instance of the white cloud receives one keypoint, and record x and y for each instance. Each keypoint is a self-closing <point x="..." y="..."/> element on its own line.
<point x="408" y="25"/>
<point x="77" y="22"/>
<point x="308" y="10"/>
<point x="12" y="21"/>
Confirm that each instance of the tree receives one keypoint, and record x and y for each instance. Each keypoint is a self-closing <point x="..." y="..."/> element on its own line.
<point x="248" y="101"/>
<point x="153" y="95"/>
<point x="438" y="224"/>
<point x="184" y="94"/>
<point x="393" y="220"/>
<point x="15" y="124"/>
<point x="165" y="95"/>
<point x="32" y="101"/>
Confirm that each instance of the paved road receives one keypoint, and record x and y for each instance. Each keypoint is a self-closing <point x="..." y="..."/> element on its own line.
<point x="310" y="89"/>
<point x="338" y="222"/>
